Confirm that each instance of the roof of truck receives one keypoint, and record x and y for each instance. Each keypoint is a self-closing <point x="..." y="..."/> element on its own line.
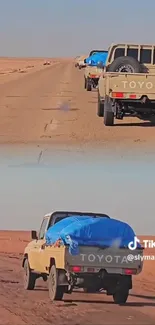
<point x="131" y="44"/>
<point x="48" y="215"/>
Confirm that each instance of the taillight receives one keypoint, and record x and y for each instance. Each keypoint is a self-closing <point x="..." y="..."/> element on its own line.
<point x="92" y="76"/>
<point x="121" y="95"/>
<point x="130" y="271"/>
<point x="117" y="95"/>
<point x="132" y="96"/>
<point x="76" y="269"/>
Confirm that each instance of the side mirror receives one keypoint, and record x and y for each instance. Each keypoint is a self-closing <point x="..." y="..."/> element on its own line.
<point x="34" y="234"/>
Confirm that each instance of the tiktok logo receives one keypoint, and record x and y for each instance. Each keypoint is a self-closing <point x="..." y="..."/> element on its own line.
<point x="133" y="244"/>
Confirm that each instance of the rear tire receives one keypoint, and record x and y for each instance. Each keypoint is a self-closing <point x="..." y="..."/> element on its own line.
<point x="88" y="85"/>
<point x="84" y="83"/>
<point x="55" y="292"/>
<point x="120" y="297"/>
<point x="100" y="107"/>
<point x="108" y="113"/>
<point x="29" y="277"/>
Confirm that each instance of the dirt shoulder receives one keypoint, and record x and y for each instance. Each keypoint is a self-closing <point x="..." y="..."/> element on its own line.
<point x="21" y="307"/>
<point x="14" y="68"/>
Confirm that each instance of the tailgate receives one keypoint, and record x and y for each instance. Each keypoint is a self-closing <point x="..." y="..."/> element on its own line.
<point x="113" y="260"/>
<point x="94" y="72"/>
<point x="130" y="86"/>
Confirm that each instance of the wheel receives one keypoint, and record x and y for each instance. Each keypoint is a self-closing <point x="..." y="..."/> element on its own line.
<point x="29" y="277"/>
<point x="120" y="297"/>
<point x="84" y="83"/>
<point x="100" y="107"/>
<point x="108" y="113"/>
<point x="88" y="85"/>
<point x="55" y="292"/>
<point x="108" y="118"/>
<point x="125" y="64"/>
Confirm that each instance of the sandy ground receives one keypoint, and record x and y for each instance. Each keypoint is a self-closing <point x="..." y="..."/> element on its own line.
<point x="49" y="105"/>
<point x="22" y="307"/>
<point x="13" y="68"/>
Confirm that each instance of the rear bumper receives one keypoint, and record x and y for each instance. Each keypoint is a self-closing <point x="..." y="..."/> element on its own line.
<point x="108" y="282"/>
<point x="82" y="64"/>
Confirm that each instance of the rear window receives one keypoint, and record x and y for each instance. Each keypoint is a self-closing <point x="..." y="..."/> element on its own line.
<point x="145" y="56"/>
<point x="61" y="215"/>
<point x="133" y="53"/>
<point x="97" y="51"/>
<point x="119" y="52"/>
<point x="59" y="219"/>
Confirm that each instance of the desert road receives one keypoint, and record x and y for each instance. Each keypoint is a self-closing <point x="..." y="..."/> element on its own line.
<point x="18" y="306"/>
<point x="50" y="105"/>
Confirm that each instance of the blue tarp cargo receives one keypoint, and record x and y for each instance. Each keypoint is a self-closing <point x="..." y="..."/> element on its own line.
<point x="96" y="58"/>
<point x="89" y="231"/>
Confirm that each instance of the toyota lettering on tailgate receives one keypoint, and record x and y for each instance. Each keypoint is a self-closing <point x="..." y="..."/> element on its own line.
<point x="95" y="258"/>
<point x="138" y="84"/>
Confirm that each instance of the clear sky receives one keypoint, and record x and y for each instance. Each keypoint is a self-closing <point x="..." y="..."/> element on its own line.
<point x="71" y="27"/>
<point x="121" y="187"/>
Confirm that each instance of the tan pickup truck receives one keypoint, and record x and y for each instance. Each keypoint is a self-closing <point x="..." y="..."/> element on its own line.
<point x="91" y="77"/>
<point x="79" y="61"/>
<point x="93" y="269"/>
<point x="92" y="73"/>
<point x="127" y="83"/>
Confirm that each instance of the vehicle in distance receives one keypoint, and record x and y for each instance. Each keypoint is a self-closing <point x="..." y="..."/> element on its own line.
<point x="76" y="61"/>
<point x="90" y="269"/>
<point x="47" y="63"/>
<point x="127" y="84"/>
<point x="79" y="61"/>
<point x="94" y="68"/>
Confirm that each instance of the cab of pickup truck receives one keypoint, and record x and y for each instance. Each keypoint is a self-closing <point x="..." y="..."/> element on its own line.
<point x="51" y="218"/>
<point x="39" y="237"/>
<point x="142" y="53"/>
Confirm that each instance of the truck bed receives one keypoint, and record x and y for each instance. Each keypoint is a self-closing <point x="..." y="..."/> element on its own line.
<point x="128" y="86"/>
<point x="93" y="72"/>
